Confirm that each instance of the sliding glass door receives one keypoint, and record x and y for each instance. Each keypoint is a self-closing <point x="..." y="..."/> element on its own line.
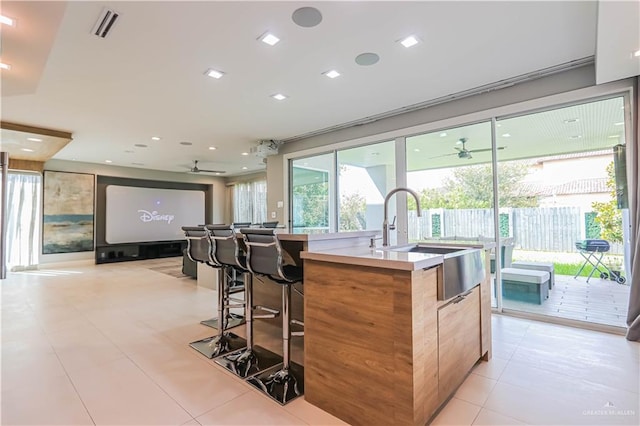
<point x="565" y="218"/>
<point x="312" y="186"/>
<point x="365" y="175"/>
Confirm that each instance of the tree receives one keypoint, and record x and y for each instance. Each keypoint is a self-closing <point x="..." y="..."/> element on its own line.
<point x="351" y="208"/>
<point x="311" y="203"/>
<point x="608" y="216"/>
<point x="471" y="187"/>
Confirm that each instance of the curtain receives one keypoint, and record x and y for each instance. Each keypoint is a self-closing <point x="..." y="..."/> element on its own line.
<point x="23" y="224"/>
<point x="633" y="317"/>
<point x="250" y="202"/>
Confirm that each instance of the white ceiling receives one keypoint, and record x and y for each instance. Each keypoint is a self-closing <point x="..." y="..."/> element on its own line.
<point x="147" y="77"/>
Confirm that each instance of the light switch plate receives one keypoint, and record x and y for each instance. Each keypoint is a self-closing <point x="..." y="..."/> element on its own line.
<point x="273" y="215"/>
<point x="280" y="204"/>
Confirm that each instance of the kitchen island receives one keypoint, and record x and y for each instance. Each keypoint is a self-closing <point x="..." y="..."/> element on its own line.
<point x="380" y="348"/>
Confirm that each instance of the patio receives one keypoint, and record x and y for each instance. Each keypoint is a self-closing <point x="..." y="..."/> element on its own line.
<point x="598" y="301"/>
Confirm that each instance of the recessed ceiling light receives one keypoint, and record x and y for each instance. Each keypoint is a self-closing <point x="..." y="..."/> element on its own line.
<point x="506" y="135"/>
<point x="186" y="143"/>
<point x="244" y="168"/>
<point x="416" y="150"/>
<point x="155" y="138"/>
<point x="636" y="53"/>
<point x="108" y="161"/>
<point x="5" y="66"/>
<point x="214" y="73"/>
<point x="498" y="125"/>
<point x="409" y="41"/>
<point x="332" y="74"/>
<point x="34" y="139"/>
<point x="279" y="96"/>
<point x="245" y="153"/>
<point x="27" y="149"/>
<point x="571" y="120"/>
<point x="575" y="137"/>
<point x="618" y="124"/>
<point x="443" y="134"/>
<point x="141" y="145"/>
<point x="7" y="21"/>
<point x="217" y="173"/>
<point x="269" y="38"/>
<point x="212" y="148"/>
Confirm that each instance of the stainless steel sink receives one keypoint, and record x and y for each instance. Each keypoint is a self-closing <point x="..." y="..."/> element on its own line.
<point x="463" y="268"/>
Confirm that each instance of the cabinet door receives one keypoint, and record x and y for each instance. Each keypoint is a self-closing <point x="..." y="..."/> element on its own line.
<point x="458" y="341"/>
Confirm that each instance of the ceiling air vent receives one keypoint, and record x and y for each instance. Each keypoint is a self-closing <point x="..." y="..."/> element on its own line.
<point x="105" y="21"/>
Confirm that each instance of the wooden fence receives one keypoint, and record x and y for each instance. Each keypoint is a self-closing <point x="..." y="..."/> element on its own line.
<point x="553" y="229"/>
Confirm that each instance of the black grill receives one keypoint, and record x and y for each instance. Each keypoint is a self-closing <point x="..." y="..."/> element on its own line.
<point x="593" y="245"/>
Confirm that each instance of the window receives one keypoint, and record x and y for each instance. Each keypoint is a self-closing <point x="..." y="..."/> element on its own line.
<point x="250" y="201"/>
<point x="365" y="175"/>
<point x="312" y="193"/>
<point x="23" y="224"/>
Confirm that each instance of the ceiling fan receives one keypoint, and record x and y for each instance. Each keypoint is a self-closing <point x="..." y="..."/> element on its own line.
<point x="464" y="152"/>
<point x="196" y="169"/>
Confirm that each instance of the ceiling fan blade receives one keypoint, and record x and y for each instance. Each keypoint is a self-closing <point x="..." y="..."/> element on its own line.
<point x="485" y="150"/>
<point x="445" y="155"/>
<point x="211" y="171"/>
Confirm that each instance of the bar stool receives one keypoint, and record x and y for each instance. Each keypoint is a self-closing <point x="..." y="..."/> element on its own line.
<point x="199" y="242"/>
<point x="199" y="250"/>
<point x="252" y="359"/>
<point x="285" y="381"/>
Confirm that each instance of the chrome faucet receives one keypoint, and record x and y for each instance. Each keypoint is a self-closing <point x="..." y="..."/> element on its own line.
<point x="385" y="224"/>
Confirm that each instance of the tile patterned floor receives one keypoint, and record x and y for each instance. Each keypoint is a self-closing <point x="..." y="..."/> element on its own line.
<point x="107" y="345"/>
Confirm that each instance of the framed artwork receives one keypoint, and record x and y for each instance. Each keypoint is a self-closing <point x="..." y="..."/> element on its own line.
<point x="67" y="212"/>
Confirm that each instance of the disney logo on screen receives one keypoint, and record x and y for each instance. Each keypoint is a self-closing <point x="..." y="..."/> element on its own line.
<point x="154" y="216"/>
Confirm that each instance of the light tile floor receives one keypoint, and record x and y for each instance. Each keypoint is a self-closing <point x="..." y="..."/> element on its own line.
<point x="108" y="345"/>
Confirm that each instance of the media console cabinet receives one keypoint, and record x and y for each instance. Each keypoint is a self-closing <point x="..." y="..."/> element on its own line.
<point x="139" y="251"/>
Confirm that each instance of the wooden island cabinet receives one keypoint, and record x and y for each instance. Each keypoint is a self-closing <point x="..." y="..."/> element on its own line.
<point x="380" y="348"/>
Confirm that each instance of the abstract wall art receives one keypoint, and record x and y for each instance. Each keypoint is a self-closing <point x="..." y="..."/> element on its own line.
<point x="68" y="202"/>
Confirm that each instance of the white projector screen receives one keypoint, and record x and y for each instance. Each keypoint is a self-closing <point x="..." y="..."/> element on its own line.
<point x="136" y="214"/>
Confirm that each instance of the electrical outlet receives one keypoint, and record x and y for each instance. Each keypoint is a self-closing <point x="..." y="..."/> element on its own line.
<point x="273" y="215"/>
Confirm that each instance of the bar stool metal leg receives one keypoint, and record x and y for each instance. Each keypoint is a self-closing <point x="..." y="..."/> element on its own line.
<point x="252" y="359"/>
<point x="223" y="342"/>
<point x="232" y="319"/>
<point x="283" y="382"/>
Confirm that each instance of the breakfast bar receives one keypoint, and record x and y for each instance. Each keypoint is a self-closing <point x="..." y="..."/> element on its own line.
<point x="381" y="346"/>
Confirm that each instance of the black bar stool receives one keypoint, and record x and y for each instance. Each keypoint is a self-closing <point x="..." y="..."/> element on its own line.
<point x="199" y="250"/>
<point x="252" y="359"/>
<point x="285" y="381"/>
<point x="199" y="245"/>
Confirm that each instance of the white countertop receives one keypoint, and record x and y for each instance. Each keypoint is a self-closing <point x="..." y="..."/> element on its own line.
<point x="283" y="235"/>
<point x="390" y="259"/>
<point x="378" y="258"/>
